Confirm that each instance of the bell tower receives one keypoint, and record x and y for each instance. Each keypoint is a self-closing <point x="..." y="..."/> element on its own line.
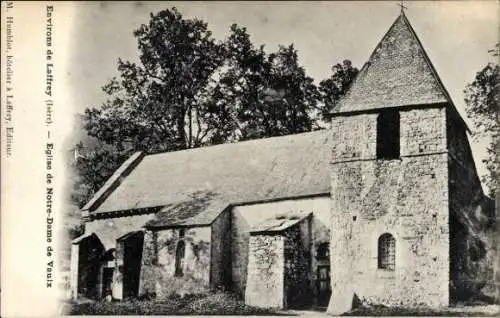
<point x="389" y="180"/>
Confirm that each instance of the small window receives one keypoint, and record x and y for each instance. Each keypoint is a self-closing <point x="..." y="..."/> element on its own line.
<point x="154" y="235"/>
<point x="323" y="251"/>
<point x="388" y="135"/>
<point x="179" y="259"/>
<point x="386" y="252"/>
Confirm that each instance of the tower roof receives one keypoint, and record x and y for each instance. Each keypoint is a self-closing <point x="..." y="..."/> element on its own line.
<point x="398" y="73"/>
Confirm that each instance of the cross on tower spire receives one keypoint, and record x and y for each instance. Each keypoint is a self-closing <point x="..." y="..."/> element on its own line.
<point x="401" y="4"/>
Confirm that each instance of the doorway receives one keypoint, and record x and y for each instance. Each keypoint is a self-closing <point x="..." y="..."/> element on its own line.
<point x="132" y="259"/>
<point x="323" y="285"/>
<point x="88" y="249"/>
<point x="107" y="280"/>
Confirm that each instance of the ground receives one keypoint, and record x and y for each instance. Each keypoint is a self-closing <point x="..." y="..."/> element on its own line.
<point x="227" y="304"/>
<point x="202" y="304"/>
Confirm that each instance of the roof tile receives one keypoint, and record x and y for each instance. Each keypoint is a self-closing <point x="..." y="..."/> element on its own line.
<point x="193" y="186"/>
<point x="398" y="73"/>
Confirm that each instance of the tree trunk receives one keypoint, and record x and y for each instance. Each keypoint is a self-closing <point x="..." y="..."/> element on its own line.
<point x="181" y="124"/>
<point x="190" y="114"/>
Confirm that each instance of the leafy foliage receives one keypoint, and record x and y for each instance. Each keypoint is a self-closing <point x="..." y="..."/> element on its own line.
<point x="153" y="105"/>
<point x="482" y="98"/>
<point x="93" y="170"/>
<point x="334" y="87"/>
<point x="267" y="95"/>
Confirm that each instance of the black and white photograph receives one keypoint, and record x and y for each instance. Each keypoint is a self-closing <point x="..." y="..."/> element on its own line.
<point x="317" y="158"/>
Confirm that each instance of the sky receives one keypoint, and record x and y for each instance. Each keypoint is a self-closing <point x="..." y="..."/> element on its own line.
<point x="456" y="36"/>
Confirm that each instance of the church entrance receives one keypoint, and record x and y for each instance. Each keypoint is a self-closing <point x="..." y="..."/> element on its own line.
<point x="131" y="245"/>
<point x="86" y="252"/>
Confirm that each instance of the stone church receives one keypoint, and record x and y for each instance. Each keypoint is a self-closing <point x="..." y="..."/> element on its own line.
<point x="384" y="207"/>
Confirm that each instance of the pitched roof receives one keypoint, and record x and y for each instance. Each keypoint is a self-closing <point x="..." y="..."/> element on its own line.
<point x="279" y="223"/>
<point x="191" y="187"/>
<point x="114" y="181"/>
<point x="398" y="73"/>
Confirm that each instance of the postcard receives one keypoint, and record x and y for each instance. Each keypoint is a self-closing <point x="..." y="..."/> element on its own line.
<point x="249" y="158"/>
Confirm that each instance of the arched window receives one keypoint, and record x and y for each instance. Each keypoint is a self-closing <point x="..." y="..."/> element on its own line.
<point x="386" y="252"/>
<point x="388" y="135"/>
<point x="179" y="258"/>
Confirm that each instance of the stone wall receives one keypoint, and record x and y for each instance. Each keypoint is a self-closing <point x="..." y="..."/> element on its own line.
<point x="220" y="266"/>
<point x="247" y="216"/>
<point x="265" y="282"/>
<point x="159" y="258"/>
<point x="407" y="197"/>
<point x="473" y="253"/>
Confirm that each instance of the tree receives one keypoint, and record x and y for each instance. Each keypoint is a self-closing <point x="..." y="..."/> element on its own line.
<point x="482" y="98"/>
<point x="290" y="97"/>
<point x="334" y="87"/>
<point x="263" y="95"/>
<point x="239" y="83"/>
<point x="153" y="106"/>
<point x="92" y="171"/>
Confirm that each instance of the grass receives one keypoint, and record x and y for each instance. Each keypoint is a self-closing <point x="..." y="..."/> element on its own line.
<point x="201" y="304"/>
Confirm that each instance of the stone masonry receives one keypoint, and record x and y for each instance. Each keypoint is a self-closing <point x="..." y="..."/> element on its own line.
<point x="158" y="272"/>
<point x="279" y="267"/>
<point x="245" y="217"/>
<point x="406" y="197"/>
<point x="266" y="264"/>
